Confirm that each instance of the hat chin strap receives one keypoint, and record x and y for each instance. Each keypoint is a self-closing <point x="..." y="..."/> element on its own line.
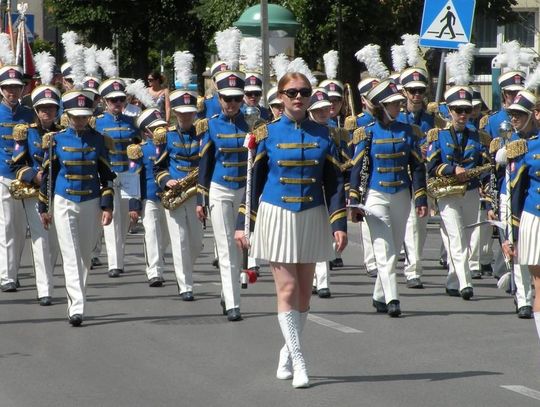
<point x="5" y="99"/>
<point x="525" y="125"/>
<point x="388" y="116"/>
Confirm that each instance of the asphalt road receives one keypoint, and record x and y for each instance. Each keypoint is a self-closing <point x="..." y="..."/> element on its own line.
<point x="142" y="346"/>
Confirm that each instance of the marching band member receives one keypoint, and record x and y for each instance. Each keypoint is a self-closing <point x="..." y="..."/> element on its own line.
<point x="525" y="211"/>
<point x="12" y="219"/>
<point x="27" y="165"/>
<point x="452" y="152"/>
<point x="296" y="168"/>
<point x="210" y="105"/>
<point x="253" y="94"/>
<point x="178" y="163"/>
<point x="275" y="103"/>
<point x="142" y="157"/>
<point x="414" y="83"/>
<point x="83" y="195"/>
<point x="392" y="150"/>
<point x="121" y="130"/>
<point x="222" y="178"/>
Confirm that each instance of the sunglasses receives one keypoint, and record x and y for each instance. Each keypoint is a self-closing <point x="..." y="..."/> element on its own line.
<point x="253" y="94"/>
<point x="416" y="91"/>
<point x="118" y="99"/>
<point x="461" y="110"/>
<point x="151" y="79"/>
<point x="229" y="99"/>
<point x="292" y="93"/>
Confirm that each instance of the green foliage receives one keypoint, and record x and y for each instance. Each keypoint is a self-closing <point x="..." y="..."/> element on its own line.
<point x="41" y="45"/>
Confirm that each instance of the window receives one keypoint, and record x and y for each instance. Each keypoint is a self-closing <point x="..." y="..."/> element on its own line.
<point x="522" y="30"/>
<point x="484" y="31"/>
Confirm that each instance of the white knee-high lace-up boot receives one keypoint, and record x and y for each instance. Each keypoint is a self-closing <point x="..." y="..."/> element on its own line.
<point x="290" y="322"/>
<point x="285" y="370"/>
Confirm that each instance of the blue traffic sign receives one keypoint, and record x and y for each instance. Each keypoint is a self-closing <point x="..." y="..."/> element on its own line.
<point x="447" y="23"/>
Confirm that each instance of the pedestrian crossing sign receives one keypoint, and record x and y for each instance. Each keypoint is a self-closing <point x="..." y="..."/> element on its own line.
<point x="446" y="23"/>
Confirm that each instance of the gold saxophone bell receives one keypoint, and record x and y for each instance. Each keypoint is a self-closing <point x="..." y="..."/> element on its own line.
<point x="181" y="192"/>
<point x="439" y="187"/>
<point x="22" y="190"/>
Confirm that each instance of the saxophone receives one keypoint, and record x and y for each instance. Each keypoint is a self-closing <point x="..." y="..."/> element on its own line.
<point x="364" y="171"/>
<point x="22" y="190"/>
<point x="186" y="187"/>
<point x="438" y="187"/>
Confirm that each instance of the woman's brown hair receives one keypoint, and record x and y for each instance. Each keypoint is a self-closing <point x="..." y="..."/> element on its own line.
<point x="290" y="76"/>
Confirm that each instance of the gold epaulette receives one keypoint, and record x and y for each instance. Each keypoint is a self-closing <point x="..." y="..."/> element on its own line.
<point x="260" y="132"/>
<point x="200" y="103"/>
<point x="99" y="116"/>
<point x="516" y="149"/>
<point x="134" y="151"/>
<point x="33" y="125"/>
<point x="47" y="139"/>
<point x="171" y="128"/>
<point x="418" y="131"/>
<point x="483" y="122"/>
<point x="20" y="132"/>
<point x="109" y="142"/>
<point x="432" y="108"/>
<point x="494" y="145"/>
<point x="350" y="123"/>
<point x="359" y="135"/>
<point x="64" y="121"/>
<point x="159" y="136"/>
<point x="201" y="126"/>
<point x="484" y="137"/>
<point x="92" y="122"/>
<point x="440" y="121"/>
<point x="433" y="135"/>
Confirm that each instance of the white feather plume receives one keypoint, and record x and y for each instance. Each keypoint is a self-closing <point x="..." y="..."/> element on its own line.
<point x="459" y="64"/>
<point x="533" y="80"/>
<point x="399" y="58"/>
<point x="280" y="64"/>
<point x="511" y="54"/>
<point x="411" y="44"/>
<point x="91" y="65"/>
<point x="251" y="50"/>
<point x="300" y="66"/>
<point x="45" y="66"/>
<point x="140" y="91"/>
<point x="370" y="55"/>
<point x="107" y="62"/>
<point x="183" y="65"/>
<point x="228" y="46"/>
<point x="331" y="61"/>
<point x="75" y="56"/>
<point x="6" y="53"/>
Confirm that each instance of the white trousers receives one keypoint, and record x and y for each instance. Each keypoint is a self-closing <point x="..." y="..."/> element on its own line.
<point x="415" y="238"/>
<point x="320" y="278"/>
<point x="522" y="277"/>
<point x="97" y="249"/>
<point x="457" y="212"/>
<point x="156" y="237"/>
<point x="12" y="233"/>
<point x="44" y="248"/>
<point x="115" y="233"/>
<point x="481" y="241"/>
<point x="77" y="228"/>
<point x="387" y="235"/>
<point x="224" y="205"/>
<point x="369" y="255"/>
<point x="186" y="235"/>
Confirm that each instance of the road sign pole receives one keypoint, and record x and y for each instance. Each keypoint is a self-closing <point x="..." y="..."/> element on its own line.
<point x="441" y="81"/>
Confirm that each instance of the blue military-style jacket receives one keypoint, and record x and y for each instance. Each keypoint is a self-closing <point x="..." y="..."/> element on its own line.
<point x="449" y="149"/>
<point x="179" y="156"/>
<point x="8" y="119"/>
<point x="394" y="157"/>
<point x="297" y="168"/>
<point x="80" y="168"/>
<point x="122" y="131"/>
<point x="223" y="155"/>
<point x="525" y="179"/>
<point x="491" y="123"/>
<point x="210" y="107"/>
<point x="422" y="119"/>
<point x="141" y="161"/>
<point x="28" y="154"/>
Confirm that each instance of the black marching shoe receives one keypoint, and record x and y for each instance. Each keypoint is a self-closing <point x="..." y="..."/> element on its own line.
<point x="443" y="263"/>
<point x="486" y="269"/>
<point x="415" y="283"/>
<point x="452" y="292"/>
<point x="233" y="314"/>
<point x="372" y="273"/>
<point x="9" y="288"/>
<point x="156" y="282"/>
<point x="95" y="262"/>
<point x="187" y="296"/>
<point x="380" y="307"/>
<point x="223" y="309"/>
<point x="324" y="293"/>
<point x="467" y="293"/>
<point x="476" y="274"/>
<point x="394" y="309"/>
<point x="313" y="290"/>
<point x="76" y="320"/>
<point x="215" y="263"/>
<point x="337" y="262"/>
<point x="45" y="301"/>
<point x="525" y="312"/>
<point x="114" y="273"/>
